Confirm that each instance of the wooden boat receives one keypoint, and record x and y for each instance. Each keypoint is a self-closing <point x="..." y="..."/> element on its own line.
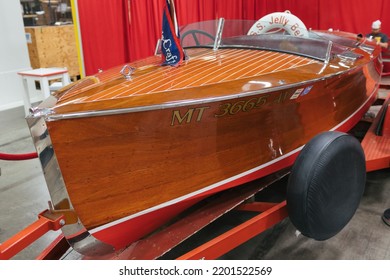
<point x="128" y="149"/>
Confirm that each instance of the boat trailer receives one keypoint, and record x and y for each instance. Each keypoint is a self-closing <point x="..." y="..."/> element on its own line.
<point x="265" y="214"/>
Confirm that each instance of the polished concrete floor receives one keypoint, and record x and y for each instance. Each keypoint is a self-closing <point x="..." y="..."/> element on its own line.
<point x="23" y="195"/>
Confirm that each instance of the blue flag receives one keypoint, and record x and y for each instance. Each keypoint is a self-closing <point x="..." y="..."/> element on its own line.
<point x="172" y="52"/>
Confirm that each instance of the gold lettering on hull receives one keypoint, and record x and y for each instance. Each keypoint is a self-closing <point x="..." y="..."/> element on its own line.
<point x="282" y="97"/>
<point x="228" y="108"/>
<point x="196" y="113"/>
<point x="241" y="106"/>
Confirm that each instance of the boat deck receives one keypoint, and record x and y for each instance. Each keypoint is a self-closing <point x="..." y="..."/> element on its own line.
<point x="204" y="68"/>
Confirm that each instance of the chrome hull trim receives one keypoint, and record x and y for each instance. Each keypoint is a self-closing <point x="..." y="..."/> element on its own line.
<point x="76" y="234"/>
<point x="54" y="117"/>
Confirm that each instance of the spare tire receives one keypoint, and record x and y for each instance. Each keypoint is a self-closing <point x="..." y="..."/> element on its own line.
<point x="326" y="184"/>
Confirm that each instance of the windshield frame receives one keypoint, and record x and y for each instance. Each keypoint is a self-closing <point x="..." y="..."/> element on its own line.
<point x="319" y="45"/>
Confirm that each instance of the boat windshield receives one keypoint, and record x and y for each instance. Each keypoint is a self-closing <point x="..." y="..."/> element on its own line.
<point x="249" y="34"/>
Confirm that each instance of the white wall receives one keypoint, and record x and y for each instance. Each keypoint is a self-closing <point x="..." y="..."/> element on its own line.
<point x="13" y="54"/>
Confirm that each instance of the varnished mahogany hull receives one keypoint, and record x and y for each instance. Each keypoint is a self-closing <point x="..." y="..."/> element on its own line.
<point x="128" y="173"/>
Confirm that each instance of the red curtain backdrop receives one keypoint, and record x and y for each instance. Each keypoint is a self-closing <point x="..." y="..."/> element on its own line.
<point x="104" y="33"/>
<point x="114" y="32"/>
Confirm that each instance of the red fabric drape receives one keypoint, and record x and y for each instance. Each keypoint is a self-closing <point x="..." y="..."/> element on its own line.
<point x="354" y="16"/>
<point x="118" y="31"/>
<point x="144" y="27"/>
<point x="104" y="33"/>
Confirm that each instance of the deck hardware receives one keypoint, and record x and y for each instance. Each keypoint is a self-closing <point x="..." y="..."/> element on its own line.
<point x="127" y="71"/>
<point x="218" y="36"/>
<point x="328" y="52"/>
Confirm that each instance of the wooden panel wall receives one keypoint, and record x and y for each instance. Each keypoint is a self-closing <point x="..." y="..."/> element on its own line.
<point x="53" y="46"/>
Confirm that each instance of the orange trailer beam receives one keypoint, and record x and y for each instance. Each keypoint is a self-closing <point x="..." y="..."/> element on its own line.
<point x="47" y="221"/>
<point x="240" y="234"/>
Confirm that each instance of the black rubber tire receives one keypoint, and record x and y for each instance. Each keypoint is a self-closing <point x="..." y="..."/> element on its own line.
<point x="326" y="184"/>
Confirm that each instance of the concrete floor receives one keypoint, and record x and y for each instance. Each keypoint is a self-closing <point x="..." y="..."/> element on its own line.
<point x="366" y="237"/>
<point x="23" y="191"/>
<point x="23" y="195"/>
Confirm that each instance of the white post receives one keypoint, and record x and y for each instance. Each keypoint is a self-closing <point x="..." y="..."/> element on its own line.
<point x="13" y="54"/>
